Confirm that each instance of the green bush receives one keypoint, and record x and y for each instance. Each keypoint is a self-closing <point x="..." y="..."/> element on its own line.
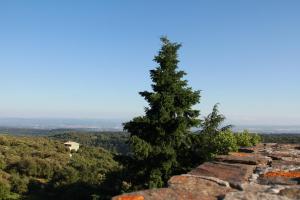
<point x="246" y="139"/>
<point x="224" y="142"/>
<point x="2" y="163"/>
<point x="4" y="191"/>
<point x="156" y="179"/>
<point x="19" y="184"/>
<point x="67" y="175"/>
<point x="255" y="139"/>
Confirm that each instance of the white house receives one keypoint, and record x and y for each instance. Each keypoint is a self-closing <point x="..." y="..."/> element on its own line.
<point x="72" y="145"/>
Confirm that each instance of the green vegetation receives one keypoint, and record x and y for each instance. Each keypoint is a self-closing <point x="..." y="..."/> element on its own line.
<point x="157" y="146"/>
<point x="111" y="141"/>
<point x="247" y="139"/>
<point x="161" y="141"/>
<point x="158" y="138"/>
<point x="281" y="138"/>
<point x="214" y="139"/>
<point x="41" y="168"/>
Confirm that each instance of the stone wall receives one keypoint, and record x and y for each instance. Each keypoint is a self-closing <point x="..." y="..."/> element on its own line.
<point x="267" y="171"/>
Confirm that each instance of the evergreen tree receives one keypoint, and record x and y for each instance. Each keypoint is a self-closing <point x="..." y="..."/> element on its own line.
<point x="213" y="138"/>
<point x="159" y="139"/>
<point x="212" y="122"/>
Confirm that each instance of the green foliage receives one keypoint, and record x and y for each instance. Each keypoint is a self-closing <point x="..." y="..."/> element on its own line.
<point x="19" y="184"/>
<point x="157" y="139"/>
<point x="112" y="141"/>
<point x="244" y="139"/>
<point x="156" y="179"/>
<point x="2" y="163"/>
<point x="280" y="138"/>
<point x="247" y="139"/>
<point x="224" y="142"/>
<point x="212" y="123"/>
<point x="255" y="139"/>
<point x="40" y="168"/>
<point x="142" y="149"/>
<point x="207" y="146"/>
<point x="4" y="191"/>
<point x="213" y="138"/>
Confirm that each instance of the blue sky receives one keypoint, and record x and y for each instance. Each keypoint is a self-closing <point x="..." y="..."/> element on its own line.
<point x="89" y="59"/>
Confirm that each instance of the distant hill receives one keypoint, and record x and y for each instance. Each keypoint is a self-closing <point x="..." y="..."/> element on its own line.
<point x="44" y="123"/>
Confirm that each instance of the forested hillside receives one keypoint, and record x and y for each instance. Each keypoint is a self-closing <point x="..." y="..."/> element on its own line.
<point x="41" y="168"/>
<point x="281" y="138"/>
<point x="112" y="141"/>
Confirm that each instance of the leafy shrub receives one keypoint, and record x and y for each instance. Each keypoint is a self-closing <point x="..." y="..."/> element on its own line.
<point x="2" y="163"/>
<point x="156" y="179"/>
<point x="4" y="191"/>
<point x="224" y="142"/>
<point x="26" y="167"/>
<point x="247" y="139"/>
<point x="65" y="176"/>
<point x="255" y="139"/>
<point x="18" y="184"/>
<point x="40" y="168"/>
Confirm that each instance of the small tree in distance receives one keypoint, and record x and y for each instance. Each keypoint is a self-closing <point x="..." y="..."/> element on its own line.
<point x="212" y="122"/>
<point x="160" y="137"/>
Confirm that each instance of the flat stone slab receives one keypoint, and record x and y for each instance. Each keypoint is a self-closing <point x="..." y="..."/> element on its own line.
<point x="253" y="196"/>
<point x="286" y="154"/>
<point x="285" y="164"/>
<point x="266" y="172"/>
<point x="235" y="174"/>
<point x="244" y="158"/>
<point x="181" y="187"/>
<point x="280" y="178"/>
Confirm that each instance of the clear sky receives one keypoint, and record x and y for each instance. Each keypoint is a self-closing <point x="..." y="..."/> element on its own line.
<point x="89" y="59"/>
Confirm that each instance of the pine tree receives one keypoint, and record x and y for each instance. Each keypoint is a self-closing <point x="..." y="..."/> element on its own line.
<point x="212" y="122"/>
<point x="159" y="139"/>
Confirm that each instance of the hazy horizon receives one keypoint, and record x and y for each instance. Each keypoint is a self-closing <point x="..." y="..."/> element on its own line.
<point x="116" y="125"/>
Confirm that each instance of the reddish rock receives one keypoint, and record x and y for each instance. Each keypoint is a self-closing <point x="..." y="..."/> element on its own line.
<point x="182" y="188"/>
<point x="130" y="197"/>
<point x="154" y="194"/>
<point x="235" y="174"/>
<point x="191" y="183"/>
<point x="255" y="175"/>
<point x="280" y="177"/>
<point x="249" y="159"/>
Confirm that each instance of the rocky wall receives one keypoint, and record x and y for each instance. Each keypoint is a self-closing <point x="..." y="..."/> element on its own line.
<point x="264" y="172"/>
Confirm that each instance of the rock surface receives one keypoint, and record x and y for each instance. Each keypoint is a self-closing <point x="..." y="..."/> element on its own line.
<point x="265" y="172"/>
<point x="293" y="193"/>
<point x="253" y="196"/>
<point x="235" y="174"/>
<point x="244" y="158"/>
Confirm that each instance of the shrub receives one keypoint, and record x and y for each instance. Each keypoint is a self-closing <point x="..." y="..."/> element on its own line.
<point x="27" y="167"/>
<point x="2" y="163"/>
<point x="18" y="184"/>
<point x="224" y="142"/>
<point x="4" y="191"/>
<point x="255" y="139"/>
<point x="247" y="139"/>
<point x="65" y="176"/>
